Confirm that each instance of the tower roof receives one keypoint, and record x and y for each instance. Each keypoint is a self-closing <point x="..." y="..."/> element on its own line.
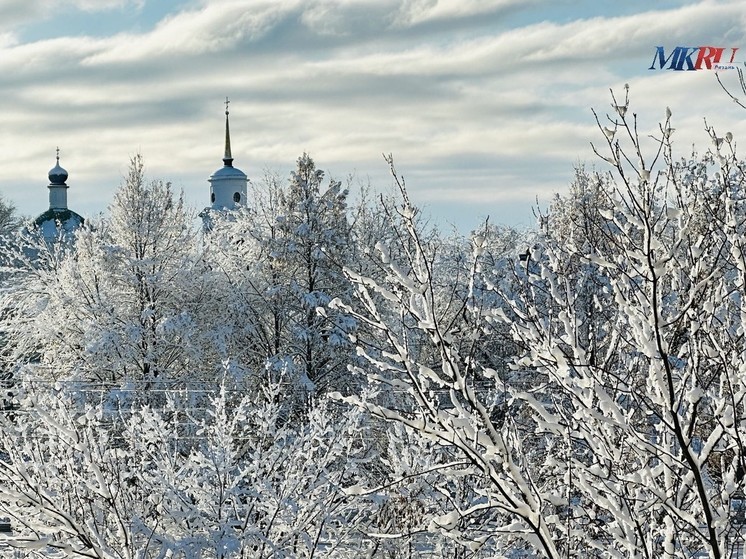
<point x="227" y="157"/>
<point x="227" y="171"/>
<point x="57" y="175"/>
<point x="65" y="217"/>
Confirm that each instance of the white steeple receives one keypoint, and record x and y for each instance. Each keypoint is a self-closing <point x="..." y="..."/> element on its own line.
<point x="57" y="186"/>
<point x="228" y="184"/>
<point x="58" y="221"/>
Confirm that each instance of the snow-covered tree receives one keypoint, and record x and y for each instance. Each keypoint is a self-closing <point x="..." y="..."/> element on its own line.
<point x="648" y="402"/>
<point x="228" y="480"/>
<point x="126" y="304"/>
<point x="625" y="439"/>
<point x="9" y="218"/>
<point x="313" y="240"/>
<point x="444" y="393"/>
<point x="283" y="258"/>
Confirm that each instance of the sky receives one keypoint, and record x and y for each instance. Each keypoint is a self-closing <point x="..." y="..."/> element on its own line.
<point x="484" y="104"/>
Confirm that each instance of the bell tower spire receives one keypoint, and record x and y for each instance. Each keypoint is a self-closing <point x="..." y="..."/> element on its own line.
<point x="228" y="184"/>
<point x="227" y="158"/>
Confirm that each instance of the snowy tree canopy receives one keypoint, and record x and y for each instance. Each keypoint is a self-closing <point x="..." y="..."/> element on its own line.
<point x="316" y="378"/>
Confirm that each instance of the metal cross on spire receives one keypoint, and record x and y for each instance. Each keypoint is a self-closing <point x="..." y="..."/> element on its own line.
<point x="227" y="102"/>
<point x="58" y="154"/>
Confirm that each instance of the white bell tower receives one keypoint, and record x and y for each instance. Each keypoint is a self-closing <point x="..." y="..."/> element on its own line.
<point x="59" y="220"/>
<point x="58" y="186"/>
<point x="228" y="184"/>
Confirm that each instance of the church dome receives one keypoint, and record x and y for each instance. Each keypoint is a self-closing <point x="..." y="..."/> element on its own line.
<point x="57" y="175"/>
<point x="228" y="172"/>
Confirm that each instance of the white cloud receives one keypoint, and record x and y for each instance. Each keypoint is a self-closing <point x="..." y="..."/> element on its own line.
<point x="463" y="108"/>
<point x="212" y="28"/>
<point x="615" y="37"/>
<point x="347" y="18"/>
<point x="104" y="5"/>
<point x="17" y="12"/>
<point x="414" y="12"/>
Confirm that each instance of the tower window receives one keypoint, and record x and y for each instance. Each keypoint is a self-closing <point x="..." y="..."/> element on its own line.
<point x="237" y="197"/>
<point x="212" y="197"/>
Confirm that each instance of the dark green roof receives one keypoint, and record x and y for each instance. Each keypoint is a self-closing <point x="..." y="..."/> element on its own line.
<point x="56" y="214"/>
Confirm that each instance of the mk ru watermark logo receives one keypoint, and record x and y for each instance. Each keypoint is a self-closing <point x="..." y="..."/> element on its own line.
<point x="694" y="58"/>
